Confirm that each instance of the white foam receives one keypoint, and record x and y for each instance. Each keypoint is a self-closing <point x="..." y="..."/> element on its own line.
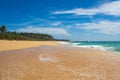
<point x="94" y="47"/>
<point x="47" y="58"/>
<point x="75" y="44"/>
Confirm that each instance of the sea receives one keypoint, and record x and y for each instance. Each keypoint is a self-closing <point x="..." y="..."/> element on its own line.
<point x="113" y="46"/>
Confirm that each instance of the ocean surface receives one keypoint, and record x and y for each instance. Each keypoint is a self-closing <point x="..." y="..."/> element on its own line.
<point x="113" y="46"/>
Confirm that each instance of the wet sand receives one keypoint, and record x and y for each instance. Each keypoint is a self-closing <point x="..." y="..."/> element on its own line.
<point x="59" y="63"/>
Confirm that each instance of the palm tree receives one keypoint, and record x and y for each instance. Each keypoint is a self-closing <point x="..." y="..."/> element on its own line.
<point x="3" y="31"/>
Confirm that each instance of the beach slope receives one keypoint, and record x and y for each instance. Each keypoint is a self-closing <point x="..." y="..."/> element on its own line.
<point x="59" y="63"/>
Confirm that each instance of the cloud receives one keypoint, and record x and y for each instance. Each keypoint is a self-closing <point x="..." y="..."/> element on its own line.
<point x="52" y="31"/>
<point x="52" y="17"/>
<point x="111" y="8"/>
<point x="56" y="23"/>
<point x="38" y="25"/>
<point x="39" y="22"/>
<point x="78" y="11"/>
<point x="105" y="27"/>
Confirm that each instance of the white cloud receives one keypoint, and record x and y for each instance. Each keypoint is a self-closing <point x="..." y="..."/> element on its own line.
<point x="111" y="8"/>
<point x="52" y="31"/>
<point x="56" y="23"/>
<point x="52" y="17"/>
<point x="78" y="11"/>
<point x="106" y="27"/>
<point x="39" y="22"/>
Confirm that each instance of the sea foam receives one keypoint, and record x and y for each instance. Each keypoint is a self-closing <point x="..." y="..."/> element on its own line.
<point x="100" y="47"/>
<point x="94" y="47"/>
<point x="44" y="58"/>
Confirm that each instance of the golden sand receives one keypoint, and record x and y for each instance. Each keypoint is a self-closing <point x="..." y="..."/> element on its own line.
<point x="59" y="63"/>
<point x="12" y="45"/>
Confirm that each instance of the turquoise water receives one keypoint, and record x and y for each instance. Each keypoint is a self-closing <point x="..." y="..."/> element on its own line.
<point x="103" y="45"/>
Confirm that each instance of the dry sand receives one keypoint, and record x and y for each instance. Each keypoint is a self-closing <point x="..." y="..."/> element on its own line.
<point x="59" y="63"/>
<point x="12" y="45"/>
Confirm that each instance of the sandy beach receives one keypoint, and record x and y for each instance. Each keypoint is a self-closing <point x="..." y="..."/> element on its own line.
<point x="12" y="45"/>
<point x="46" y="62"/>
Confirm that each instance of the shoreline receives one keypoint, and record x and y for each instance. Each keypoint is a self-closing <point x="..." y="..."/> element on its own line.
<point x="99" y="47"/>
<point x="16" y="45"/>
<point x="59" y="63"/>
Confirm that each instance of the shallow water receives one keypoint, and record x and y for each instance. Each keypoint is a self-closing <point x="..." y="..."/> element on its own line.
<point x="103" y="45"/>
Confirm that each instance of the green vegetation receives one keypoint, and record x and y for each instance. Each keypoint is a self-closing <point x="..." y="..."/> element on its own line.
<point x="4" y="34"/>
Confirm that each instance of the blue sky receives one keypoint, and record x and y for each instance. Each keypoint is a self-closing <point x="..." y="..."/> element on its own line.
<point x="90" y="20"/>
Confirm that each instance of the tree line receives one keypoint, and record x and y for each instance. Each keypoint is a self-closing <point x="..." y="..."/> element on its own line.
<point x="4" y="34"/>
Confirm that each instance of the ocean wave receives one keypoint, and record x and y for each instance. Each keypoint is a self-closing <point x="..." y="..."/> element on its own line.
<point x="75" y="44"/>
<point x="95" y="47"/>
<point x="100" y="47"/>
